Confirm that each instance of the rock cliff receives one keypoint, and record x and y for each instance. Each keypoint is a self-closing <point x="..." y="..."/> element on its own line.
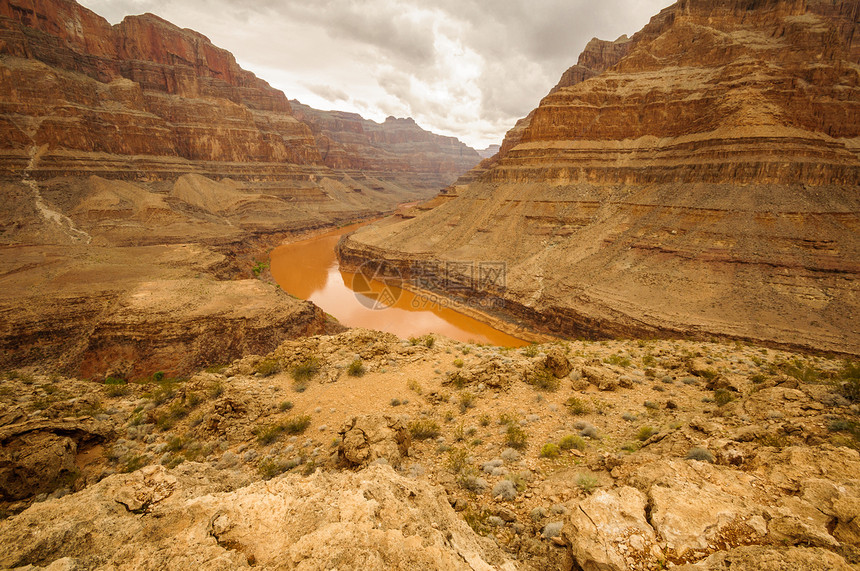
<point x="700" y="178"/>
<point x="140" y="162"/>
<point x="348" y="142"/>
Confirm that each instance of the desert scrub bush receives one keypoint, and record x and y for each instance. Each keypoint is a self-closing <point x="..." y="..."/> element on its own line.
<point x="505" y="489"/>
<point x="800" y="371"/>
<point x="709" y="374"/>
<point x="414" y="386"/>
<point x="448" y="416"/>
<point x="586" y="482"/>
<point x="267" y="367"/>
<point x="507" y="418"/>
<point x="424" y="429"/>
<point x="758" y="378"/>
<point x="619" y="360"/>
<point x="645" y="432"/>
<point x="467" y="401"/>
<point x="259" y="267"/>
<point x="268" y="468"/>
<point x="531" y="350"/>
<point x="572" y="442"/>
<point x="629" y="417"/>
<point x="723" y="397"/>
<point x="458" y="460"/>
<point x="306" y="370"/>
<point x="543" y="380"/>
<point x="285" y="406"/>
<point x="549" y="450"/>
<point x="134" y="462"/>
<point x="848" y="381"/>
<point x="268" y="433"/>
<point x="484" y="420"/>
<point x="458" y="363"/>
<point x="651" y="405"/>
<point x="116" y="387"/>
<point x="589" y="431"/>
<point x="516" y="437"/>
<point x="649" y="360"/>
<point x="577" y="406"/>
<point x="700" y="454"/>
<point x="477" y="520"/>
<point x="426" y="340"/>
<point x="356" y="368"/>
<point x="631" y="446"/>
<point x="297" y="424"/>
<point x="395" y="402"/>
<point x="215" y="390"/>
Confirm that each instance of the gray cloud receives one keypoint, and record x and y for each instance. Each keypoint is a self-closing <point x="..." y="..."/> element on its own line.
<point x="466" y="68"/>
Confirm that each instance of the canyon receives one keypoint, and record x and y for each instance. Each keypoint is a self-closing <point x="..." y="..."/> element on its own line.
<point x="674" y="229"/>
<point x="699" y="178"/>
<point x="145" y="174"/>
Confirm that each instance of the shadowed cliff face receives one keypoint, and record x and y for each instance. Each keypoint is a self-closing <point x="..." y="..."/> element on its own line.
<point x="703" y="181"/>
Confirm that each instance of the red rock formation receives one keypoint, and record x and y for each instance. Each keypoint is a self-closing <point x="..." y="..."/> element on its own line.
<point x="347" y="141"/>
<point x="708" y="182"/>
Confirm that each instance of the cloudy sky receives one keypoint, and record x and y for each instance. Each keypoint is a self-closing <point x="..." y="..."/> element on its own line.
<point x="467" y="68"/>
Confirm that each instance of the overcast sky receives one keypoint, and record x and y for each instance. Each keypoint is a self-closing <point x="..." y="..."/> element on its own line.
<point x="468" y="68"/>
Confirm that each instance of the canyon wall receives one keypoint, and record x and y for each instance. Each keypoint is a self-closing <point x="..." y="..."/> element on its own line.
<point x="701" y="178"/>
<point x="140" y="162"/>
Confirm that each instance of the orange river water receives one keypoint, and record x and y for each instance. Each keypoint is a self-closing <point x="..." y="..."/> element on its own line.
<point x="308" y="269"/>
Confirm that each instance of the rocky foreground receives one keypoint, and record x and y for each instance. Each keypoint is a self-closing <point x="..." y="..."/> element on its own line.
<point x="364" y="450"/>
<point x="699" y="178"/>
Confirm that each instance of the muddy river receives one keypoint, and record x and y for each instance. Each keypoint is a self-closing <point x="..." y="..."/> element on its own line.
<point x="308" y="269"/>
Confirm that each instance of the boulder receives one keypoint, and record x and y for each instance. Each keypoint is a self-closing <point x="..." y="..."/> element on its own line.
<point x="365" y="439"/>
<point x="608" y="531"/>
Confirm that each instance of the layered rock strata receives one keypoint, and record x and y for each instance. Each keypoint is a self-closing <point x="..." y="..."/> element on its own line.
<point x="140" y="166"/>
<point x="706" y="183"/>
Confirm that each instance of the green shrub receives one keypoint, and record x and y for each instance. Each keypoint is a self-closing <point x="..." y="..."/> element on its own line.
<point x="586" y="482"/>
<point x="467" y="401"/>
<point x="268" y="433"/>
<point x="617" y="360"/>
<point x="543" y="379"/>
<point x="356" y="368"/>
<point x="645" y="433"/>
<point x="549" y="450"/>
<point x="848" y="381"/>
<point x="423" y="429"/>
<point x="458" y="460"/>
<point x="285" y="406"/>
<point x="306" y="370"/>
<point x="800" y="371"/>
<point x="723" y="397"/>
<point x="268" y="367"/>
<point x="572" y="442"/>
<point x="531" y="350"/>
<point x="458" y="363"/>
<point x="414" y="386"/>
<point x="516" y="437"/>
<point x="297" y="424"/>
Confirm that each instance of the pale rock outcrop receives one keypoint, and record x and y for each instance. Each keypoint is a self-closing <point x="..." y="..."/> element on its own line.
<point x="185" y="519"/>
<point x="366" y="439"/>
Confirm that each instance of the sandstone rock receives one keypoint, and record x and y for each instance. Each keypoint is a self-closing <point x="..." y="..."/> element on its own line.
<point x="600" y="378"/>
<point x="365" y="439"/>
<point x="608" y="531"/>
<point x="372" y="519"/>
<point x="557" y="362"/>
<point x="38" y="456"/>
<point x="766" y="558"/>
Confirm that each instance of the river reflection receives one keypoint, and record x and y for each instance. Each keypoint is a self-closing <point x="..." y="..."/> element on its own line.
<point x="309" y="270"/>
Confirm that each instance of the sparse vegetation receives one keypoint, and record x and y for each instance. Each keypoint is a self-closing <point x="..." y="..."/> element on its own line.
<point x="572" y="442"/>
<point x="586" y="482"/>
<point x="700" y="454"/>
<point x="467" y="401"/>
<point x="306" y="370"/>
<point x="423" y="429"/>
<point x="356" y="368"/>
<point x="723" y="397"/>
<point x="516" y="437"/>
<point x="577" y="406"/>
<point x="543" y="379"/>
<point x="645" y="432"/>
<point x="549" y="450"/>
<point x="618" y="360"/>
<point x="268" y="367"/>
